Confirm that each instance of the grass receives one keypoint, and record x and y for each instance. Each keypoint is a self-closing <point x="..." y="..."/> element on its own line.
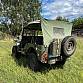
<point x="11" y="72"/>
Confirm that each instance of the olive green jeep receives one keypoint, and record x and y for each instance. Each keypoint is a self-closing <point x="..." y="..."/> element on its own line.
<point x="47" y="41"/>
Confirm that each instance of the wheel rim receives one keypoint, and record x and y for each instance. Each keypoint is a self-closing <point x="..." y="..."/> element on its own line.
<point x="70" y="46"/>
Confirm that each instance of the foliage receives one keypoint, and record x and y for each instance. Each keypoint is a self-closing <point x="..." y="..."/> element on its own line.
<point x="78" y="23"/>
<point x="62" y="19"/>
<point x="20" y="12"/>
<point x="2" y="35"/>
<point x="10" y="72"/>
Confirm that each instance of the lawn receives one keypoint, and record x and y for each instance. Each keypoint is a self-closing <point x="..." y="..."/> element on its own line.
<point x="11" y="72"/>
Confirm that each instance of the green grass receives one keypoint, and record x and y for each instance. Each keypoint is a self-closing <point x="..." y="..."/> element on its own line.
<point x="11" y="72"/>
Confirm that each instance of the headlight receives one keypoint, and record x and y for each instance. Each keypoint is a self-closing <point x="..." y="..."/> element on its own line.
<point x="17" y="43"/>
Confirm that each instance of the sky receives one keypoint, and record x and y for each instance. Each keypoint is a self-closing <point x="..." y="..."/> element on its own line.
<point x="70" y="9"/>
<point x="5" y="20"/>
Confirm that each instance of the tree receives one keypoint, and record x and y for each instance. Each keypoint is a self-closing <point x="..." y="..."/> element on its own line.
<point x="20" y="12"/>
<point x="59" y="18"/>
<point x="78" y="23"/>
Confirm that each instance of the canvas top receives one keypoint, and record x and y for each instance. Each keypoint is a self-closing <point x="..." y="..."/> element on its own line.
<point x="51" y="29"/>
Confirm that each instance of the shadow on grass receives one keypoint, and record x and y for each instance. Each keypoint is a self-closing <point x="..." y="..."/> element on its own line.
<point x="47" y="67"/>
<point x="21" y="60"/>
<point x="43" y="68"/>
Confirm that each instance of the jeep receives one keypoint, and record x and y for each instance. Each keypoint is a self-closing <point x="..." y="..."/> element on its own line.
<point x="47" y="41"/>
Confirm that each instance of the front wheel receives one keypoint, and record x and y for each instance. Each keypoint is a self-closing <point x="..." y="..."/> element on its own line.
<point x="15" y="53"/>
<point x="33" y="61"/>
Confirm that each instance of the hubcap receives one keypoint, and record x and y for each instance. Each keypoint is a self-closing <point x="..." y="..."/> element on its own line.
<point x="70" y="46"/>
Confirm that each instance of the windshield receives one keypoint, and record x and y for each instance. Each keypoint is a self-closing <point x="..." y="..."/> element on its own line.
<point x="28" y="32"/>
<point x="32" y="36"/>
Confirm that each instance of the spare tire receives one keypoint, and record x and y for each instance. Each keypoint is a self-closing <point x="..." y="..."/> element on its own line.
<point x="68" y="46"/>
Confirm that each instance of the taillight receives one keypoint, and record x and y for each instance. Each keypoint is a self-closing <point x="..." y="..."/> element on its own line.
<point x="44" y="57"/>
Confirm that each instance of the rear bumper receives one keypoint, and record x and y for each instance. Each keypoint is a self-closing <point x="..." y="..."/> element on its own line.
<point x="53" y="60"/>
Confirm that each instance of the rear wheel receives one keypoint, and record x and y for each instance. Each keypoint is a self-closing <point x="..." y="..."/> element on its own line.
<point x="33" y="61"/>
<point x="68" y="46"/>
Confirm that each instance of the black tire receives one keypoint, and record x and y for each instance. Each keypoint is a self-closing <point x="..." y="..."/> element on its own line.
<point x="62" y="62"/>
<point x="15" y="53"/>
<point x="33" y="62"/>
<point x="68" y="46"/>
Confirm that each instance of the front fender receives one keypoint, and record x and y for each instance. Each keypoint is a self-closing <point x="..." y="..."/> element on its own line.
<point x="28" y="46"/>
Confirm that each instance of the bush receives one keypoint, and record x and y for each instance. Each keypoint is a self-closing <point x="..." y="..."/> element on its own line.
<point x="2" y="35"/>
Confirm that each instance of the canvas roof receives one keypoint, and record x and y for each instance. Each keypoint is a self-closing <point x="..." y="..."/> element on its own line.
<point x="51" y="29"/>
